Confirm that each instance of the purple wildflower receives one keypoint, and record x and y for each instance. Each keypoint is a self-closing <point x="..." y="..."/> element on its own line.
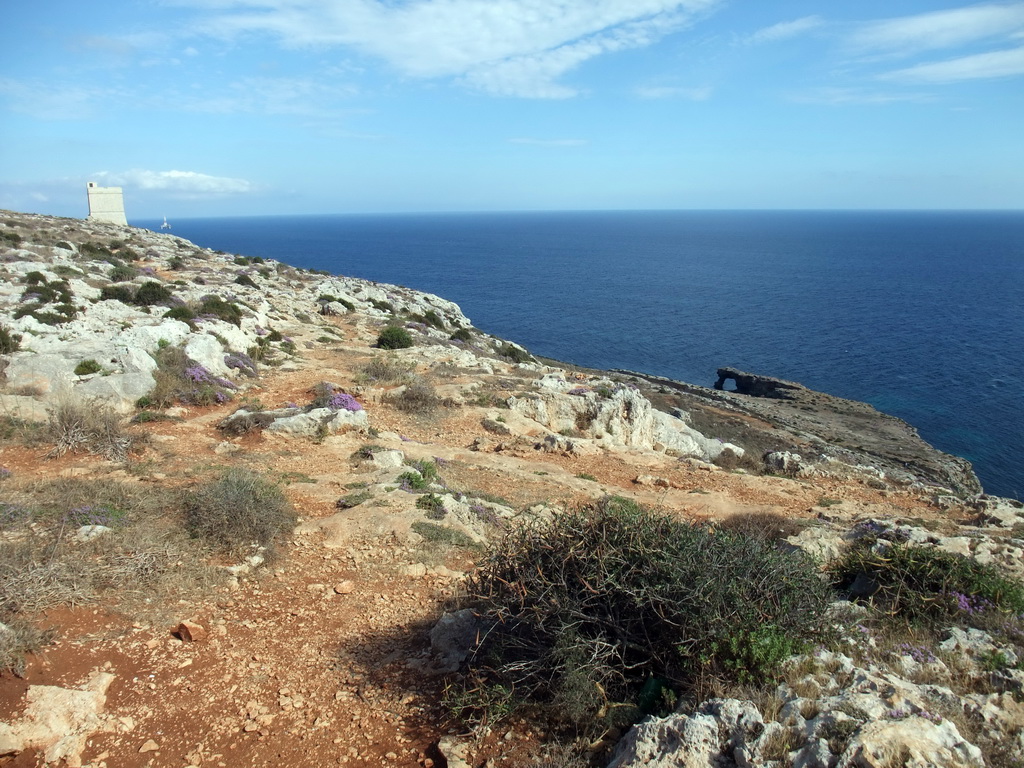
<point x="239" y="361"/>
<point x="579" y="391"/>
<point x="343" y="401"/>
<point x="918" y="653"/>
<point x="5" y="473"/>
<point x="970" y="604"/>
<point x="198" y="374"/>
<point x="225" y="383"/>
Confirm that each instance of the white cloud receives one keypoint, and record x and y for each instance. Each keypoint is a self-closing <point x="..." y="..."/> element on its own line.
<point x="785" y="29"/>
<point x="974" y="67"/>
<point x="185" y="184"/>
<point x="506" y="47"/>
<point x="272" y="96"/>
<point x="550" y="142"/>
<point x="651" y="92"/>
<point x="50" y="101"/>
<point x="852" y="96"/>
<point x="940" y="29"/>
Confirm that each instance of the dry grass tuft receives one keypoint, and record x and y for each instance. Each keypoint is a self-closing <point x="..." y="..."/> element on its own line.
<point x="90" y="427"/>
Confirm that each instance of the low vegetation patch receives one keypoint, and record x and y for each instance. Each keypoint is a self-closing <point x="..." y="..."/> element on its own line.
<point x="443" y="535"/>
<point x="74" y="427"/>
<point x="613" y="611"/>
<point x="514" y="353"/>
<point x="386" y="369"/>
<point x="394" y="337"/>
<point x="86" y="367"/>
<point x="9" y="341"/>
<point x="181" y="379"/>
<point x="761" y="525"/>
<point x="142" y="554"/>
<point x="417" y="397"/>
<point x="925" y="585"/>
<point x="47" y="301"/>
<point x="239" y="511"/>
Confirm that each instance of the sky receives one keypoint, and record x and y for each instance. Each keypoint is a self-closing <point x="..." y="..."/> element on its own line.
<point x="259" y="107"/>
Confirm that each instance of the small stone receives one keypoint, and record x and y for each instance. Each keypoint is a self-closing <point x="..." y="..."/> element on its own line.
<point x="416" y="570"/>
<point x="344" y="587"/>
<point x="149" y="746"/>
<point x="190" y="632"/>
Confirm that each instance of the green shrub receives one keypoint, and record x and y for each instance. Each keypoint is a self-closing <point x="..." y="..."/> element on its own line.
<point x="326" y="298"/>
<point x="433" y="319"/>
<point x="414" y="481"/>
<point x="432" y="505"/>
<point x="86" y="367"/>
<point x="67" y="271"/>
<point x="353" y="500"/>
<point x="9" y="341"/>
<point x="514" y="353"/>
<point x="463" y="334"/>
<point x="95" y="250"/>
<point x="176" y="263"/>
<point x="151" y="293"/>
<point x="237" y="511"/>
<point x="926" y="585"/>
<point x="246" y="281"/>
<point x="122" y="273"/>
<point x="183" y="313"/>
<point x="616" y="605"/>
<point x="11" y="237"/>
<point x="427" y="469"/>
<point x="440" y="534"/>
<point x="383" y="306"/>
<point x="394" y="337"/>
<point x="222" y="310"/>
<point x="122" y="293"/>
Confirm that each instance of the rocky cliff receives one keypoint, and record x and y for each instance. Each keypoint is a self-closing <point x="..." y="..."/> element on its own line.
<point x="136" y="367"/>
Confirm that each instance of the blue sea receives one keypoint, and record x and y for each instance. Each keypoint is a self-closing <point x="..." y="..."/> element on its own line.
<point x="920" y="314"/>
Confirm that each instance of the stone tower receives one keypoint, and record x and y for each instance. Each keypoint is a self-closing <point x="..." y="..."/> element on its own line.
<point x="106" y="204"/>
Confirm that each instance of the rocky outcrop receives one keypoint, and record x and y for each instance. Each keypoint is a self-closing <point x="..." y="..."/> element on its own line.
<point x="820" y="428"/>
<point x="856" y="716"/>
<point x="60" y="298"/>
<point x="612" y="415"/>
<point x="759" y="386"/>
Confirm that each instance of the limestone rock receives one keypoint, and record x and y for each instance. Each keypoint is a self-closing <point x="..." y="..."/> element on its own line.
<point x="914" y="742"/>
<point x="59" y="721"/>
<point x="317" y="422"/>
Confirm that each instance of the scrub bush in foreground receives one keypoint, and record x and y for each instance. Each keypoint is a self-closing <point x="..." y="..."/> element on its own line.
<point x="237" y="511"/>
<point x="612" y="611"/>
